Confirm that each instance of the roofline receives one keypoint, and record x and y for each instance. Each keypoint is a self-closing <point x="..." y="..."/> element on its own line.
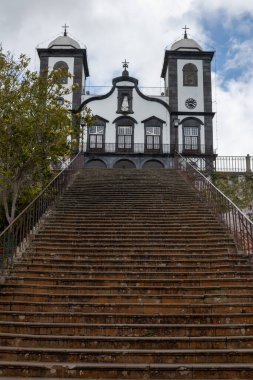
<point x="68" y="53"/>
<point x="115" y="81"/>
<point x="184" y="54"/>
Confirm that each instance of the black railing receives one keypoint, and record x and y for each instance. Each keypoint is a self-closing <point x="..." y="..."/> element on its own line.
<point x="237" y="224"/>
<point x="18" y="234"/>
<point x="145" y="149"/>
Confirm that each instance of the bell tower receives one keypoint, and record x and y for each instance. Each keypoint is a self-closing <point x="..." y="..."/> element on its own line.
<point x="65" y="52"/>
<point x="187" y="75"/>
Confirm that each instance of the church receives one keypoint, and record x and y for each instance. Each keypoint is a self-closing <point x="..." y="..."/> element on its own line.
<point x="132" y="129"/>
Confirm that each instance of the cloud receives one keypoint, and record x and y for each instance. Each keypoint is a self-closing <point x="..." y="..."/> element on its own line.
<point x="234" y="117"/>
<point x="240" y="55"/>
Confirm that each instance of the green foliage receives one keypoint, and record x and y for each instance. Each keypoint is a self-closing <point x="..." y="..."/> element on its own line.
<point x="237" y="187"/>
<point x="34" y="127"/>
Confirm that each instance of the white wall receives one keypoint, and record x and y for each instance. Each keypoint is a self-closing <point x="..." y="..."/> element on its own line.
<point x="195" y="92"/>
<point x="70" y="62"/>
<point x="142" y="108"/>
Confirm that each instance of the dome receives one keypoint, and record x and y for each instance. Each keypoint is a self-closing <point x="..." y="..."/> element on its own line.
<point x="186" y="44"/>
<point x="64" y="42"/>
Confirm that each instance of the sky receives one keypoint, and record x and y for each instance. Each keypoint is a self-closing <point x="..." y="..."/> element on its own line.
<point x="140" y="31"/>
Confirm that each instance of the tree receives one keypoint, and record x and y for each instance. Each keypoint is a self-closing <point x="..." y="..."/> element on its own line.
<point x="33" y="126"/>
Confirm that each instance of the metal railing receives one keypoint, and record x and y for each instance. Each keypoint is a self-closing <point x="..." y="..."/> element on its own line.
<point x="17" y="235"/>
<point x="237" y="224"/>
<point x="132" y="148"/>
<point x="235" y="164"/>
<point x="101" y="90"/>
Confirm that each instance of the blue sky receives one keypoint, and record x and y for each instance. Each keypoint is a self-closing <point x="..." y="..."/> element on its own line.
<point x="140" y="30"/>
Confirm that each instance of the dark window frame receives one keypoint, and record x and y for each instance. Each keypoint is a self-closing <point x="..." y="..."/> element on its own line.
<point x="124" y="122"/>
<point x="153" y="123"/>
<point x="62" y="65"/>
<point x="97" y="123"/>
<point x="188" y="147"/>
<point x="190" y="75"/>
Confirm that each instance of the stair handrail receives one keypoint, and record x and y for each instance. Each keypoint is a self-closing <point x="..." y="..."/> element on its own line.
<point x="15" y="238"/>
<point x="235" y="221"/>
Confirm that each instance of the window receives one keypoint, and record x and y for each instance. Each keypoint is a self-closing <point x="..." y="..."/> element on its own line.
<point x="191" y="138"/>
<point x="190" y="75"/>
<point x="153" y="135"/>
<point x="62" y="65"/>
<point x="96" y="137"/>
<point x="125" y="137"/>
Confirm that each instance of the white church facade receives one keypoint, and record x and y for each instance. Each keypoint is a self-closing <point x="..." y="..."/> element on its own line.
<point x="135" y="130"/>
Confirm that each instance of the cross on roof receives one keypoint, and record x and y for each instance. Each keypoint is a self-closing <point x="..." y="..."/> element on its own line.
<point x="185" y="31"/>
<point x="65" y="29"/>
<point x="125" y="64"/>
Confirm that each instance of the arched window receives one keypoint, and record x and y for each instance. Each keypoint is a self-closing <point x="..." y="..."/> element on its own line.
<point x="62" y="65"/>
<point x="190" y="75"/>
<point x="153" y="133"/>
<point x="124" y="133"/>
<point x="191" y="135"/>
<point x="96" y="134"/>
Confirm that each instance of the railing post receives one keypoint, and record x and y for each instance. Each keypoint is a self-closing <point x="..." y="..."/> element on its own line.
<point x="248" y="168"/>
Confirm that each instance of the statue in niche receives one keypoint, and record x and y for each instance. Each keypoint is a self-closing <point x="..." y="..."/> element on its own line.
<point x="125" y="104"/>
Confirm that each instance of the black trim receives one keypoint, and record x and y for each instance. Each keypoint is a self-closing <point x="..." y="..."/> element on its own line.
<point x="98" y="97"/>
<point x="152" y="118"/>
<point x="185" y="113"/>
<point x="82" y="53"/>
<point x="125" y="119"/>
<point x="184" y="54"/>
<point x="190" y="69"/>
<point x="153" y="99"/>
<point x="125" y="79"/>
<point x="115" y="80"/>
<point x="191" y="118"/>
<point x="100" y="118"/>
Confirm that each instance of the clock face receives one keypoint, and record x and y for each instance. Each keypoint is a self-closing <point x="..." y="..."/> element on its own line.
<point x="190" y="103"/>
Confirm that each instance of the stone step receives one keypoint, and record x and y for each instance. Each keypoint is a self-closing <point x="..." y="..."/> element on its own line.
<point x="115" y="342"/>
<point x="128" y="330"/>
<point x="29" y="279"/>
<point x="143" y="227"/>
<point x="132" y="371"/>
<point x="127" y="318"/>
<point x="157" y="299"/>
<point x="130" y="240"/>
<point x="98" y="264"/>
<point x="128" y="356"/>
<point x="24" y="271"/>
<point x="229" y="256"/>
<point x="137" y="290"/>
<point x="126" y="266"/>
<point x="131" y="277"/>
<point x="127" y="307"/>
<point x="129" y="232"/>
<point x="134" y="249"/>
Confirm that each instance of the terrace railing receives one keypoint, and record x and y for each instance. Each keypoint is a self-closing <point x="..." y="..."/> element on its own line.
<point x="237" y="224"/>
<point x="133" y="148"/>
<point x="17" y="235"/>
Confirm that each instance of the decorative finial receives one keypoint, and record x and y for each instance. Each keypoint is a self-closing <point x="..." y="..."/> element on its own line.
<point x="65" y="29"/>
<point x="185" y="31"/>
<point x="125" y="65"/>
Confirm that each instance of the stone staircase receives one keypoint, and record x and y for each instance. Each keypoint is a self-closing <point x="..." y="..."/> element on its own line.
<point x="131" y="277"/>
